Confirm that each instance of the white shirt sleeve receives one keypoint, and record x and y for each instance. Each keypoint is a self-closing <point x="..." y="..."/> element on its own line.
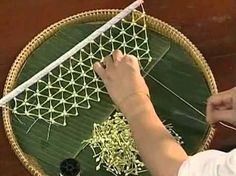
<point x="210" y="163"/>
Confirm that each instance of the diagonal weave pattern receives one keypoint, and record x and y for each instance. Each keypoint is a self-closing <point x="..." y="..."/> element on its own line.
<point x="73" y="84"/>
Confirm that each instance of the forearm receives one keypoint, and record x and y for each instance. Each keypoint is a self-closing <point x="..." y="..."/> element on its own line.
<point x="160" y="152"/>
<point x="127" y="88"/>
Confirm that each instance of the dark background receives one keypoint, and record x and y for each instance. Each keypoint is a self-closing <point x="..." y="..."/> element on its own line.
<point x="210" y="25"/>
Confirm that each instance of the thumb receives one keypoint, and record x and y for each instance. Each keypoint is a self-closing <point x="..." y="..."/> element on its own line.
<point x="98" y="68"/>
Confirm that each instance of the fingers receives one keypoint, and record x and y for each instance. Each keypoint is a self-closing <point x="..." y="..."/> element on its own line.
<point x="99" y="69"/>
<point x="221" y="115"/>
<point x="134" y="60"/>
<point x="108" y="61"/>
<point x="220" y="107"/>
<point x="222" y="98"/>
<point x="234" y="100"/>
<point x="219" y="102"/>
<point x="117" y="55"/>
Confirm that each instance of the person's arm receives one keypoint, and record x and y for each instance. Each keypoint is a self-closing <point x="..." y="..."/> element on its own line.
<point x="220" y="107"/>
<point x="162" y="155"/>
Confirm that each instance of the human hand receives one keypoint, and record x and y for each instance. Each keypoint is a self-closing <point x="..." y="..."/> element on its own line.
<point x="122" y="77"/>
<point x="222" y="107"/>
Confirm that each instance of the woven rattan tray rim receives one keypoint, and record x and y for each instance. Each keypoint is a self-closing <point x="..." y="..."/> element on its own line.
<point x="91" y="16"/>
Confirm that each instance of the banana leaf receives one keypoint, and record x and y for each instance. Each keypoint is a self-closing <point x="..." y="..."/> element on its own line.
<point x="177" y="87"/>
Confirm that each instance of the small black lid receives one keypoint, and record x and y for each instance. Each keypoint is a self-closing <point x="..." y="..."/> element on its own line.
<point x="70" y="167"/>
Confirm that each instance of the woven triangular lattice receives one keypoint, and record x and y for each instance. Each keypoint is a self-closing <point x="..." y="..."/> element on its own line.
<point x="73" y="84"/>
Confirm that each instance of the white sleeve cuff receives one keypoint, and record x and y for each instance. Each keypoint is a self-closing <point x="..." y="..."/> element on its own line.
<point x="210" y="163"/>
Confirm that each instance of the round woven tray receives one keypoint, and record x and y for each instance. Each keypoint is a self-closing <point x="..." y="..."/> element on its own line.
<point x="91" y="16"/>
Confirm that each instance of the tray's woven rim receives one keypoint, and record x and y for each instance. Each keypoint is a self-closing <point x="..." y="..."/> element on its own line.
<point x="91" y="16"/>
